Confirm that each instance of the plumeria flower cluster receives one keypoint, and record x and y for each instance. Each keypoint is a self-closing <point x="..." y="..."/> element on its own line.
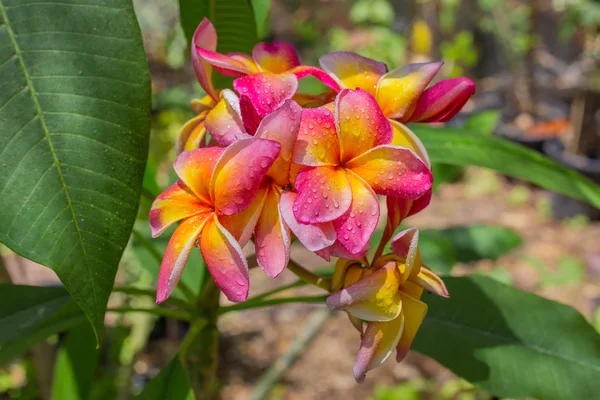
<point x="262" y="162"/>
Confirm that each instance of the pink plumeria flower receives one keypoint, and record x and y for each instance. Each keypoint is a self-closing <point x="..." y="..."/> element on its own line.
<point x="346" y="158"/>
<point x="215" y="199"/>
<point x="387" y="297"/>
<point x="268" y="76"/>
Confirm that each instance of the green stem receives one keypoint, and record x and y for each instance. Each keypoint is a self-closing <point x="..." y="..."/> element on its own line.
<point x="151" y="293"/>
<point x="277" y="290"/>
<point x="158" y="257"/>
<point x="271" y="302"/>
<point x="163" y="312"/>
<point x="309" y="276"/>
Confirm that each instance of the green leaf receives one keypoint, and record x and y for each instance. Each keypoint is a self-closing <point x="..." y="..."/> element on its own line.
<point x="171" y="383"/>
<point x="460" y="147"/>
<point x="261" y="15"/>
<point x="74" y="126"/>
<point x="76" y="364"/>
<point x="233" y="20"/>
<point x="511" y="343"/>
<point x="483" y="123"/>
<point x="29" y="314"/>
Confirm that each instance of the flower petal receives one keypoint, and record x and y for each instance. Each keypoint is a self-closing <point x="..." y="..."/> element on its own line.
<point x="276" y="57"/>
<point x="355" y="227"/>
<point x="373" y="298"/>
<point x="399" y="90"/>
<point x="205" y="37"/>
<point x="353" y="71"/>
<point x="224" y="122"/>
<point x="303" y="71"/>
<point x="241" y="225"/>
<point x="393" y="171"/>
<point x="225" y="64"/>
<point x="175" y="203"/>
<point x="377" y="344"/>
<point x="429" y="281"/>
<point x="267" y="91"/>
<point x="399" y="208"/>
<point x="195" y="167"/>
<point x="317" y="142"/>
<point x="313" y="236"/>
<point x="239" y="173"/>
<point x="414" y="312"/>
<point x="206" y="103"/>
<point x="443" y="100"/>
<point x="404" y="137"/>
<point x="324" y="194"/>
<point x="282" y="127"/>
<point x="360" y="123"/>
<point x="272" y="236"/>
<point x="406" y="245"/>
<point x="177" y="253"/>
<point x="337" y="250"/>
<point x="191" y="134"/>
<point x="225" y="261"/>
<point x="250" y="116"/>
<point x="345" y="267"/>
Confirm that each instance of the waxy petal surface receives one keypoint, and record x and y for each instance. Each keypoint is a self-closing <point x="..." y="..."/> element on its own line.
<point x="226" y="65"/>
<point x="225" y="261"/>
<point x="303" y="71"/>
<point x="399" y="208"/>
<point x="177" y="253"/>
<point x="393" y="171"/>
<point x="352" y="71"/>
<point x="399" y="90"/>
<point x="313" y="236"/>
<point x="282" y="127"/>
<point x="317" y="142"/>
<point x="355" y="227"/>
<point x="377" y="344"/>
<point x="191" y="134"/>
<point x="267" y="91"/>
<point x="429" y="281"/>
<point x="241" y="225"/>
<point x="406" y="245"/>
<point x="195" y="168"/>
<point x="175" y="203"/>
<point x="338" y="250"/>
<point x="444" y="100"/>
<point x="272" y="236"/>
<point x="276" y="57"/>
<point x="205" y="37"/>
<point x="360" y="123"/>
<point x="414" y="312"/>
<point x="224" y="122"/>
<point x="240" y="172"/>
<point x="404" y="137"/>
<point x="250" y="116"/>
<point x="324" y="194"/>
<point x="376" y="297"/>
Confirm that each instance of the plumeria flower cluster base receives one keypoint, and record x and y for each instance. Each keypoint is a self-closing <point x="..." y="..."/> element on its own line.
<point x="281" y="165"/>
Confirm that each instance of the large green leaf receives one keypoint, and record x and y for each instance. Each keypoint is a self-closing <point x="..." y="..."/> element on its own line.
<point x="233" y="20"/>
<point x="76" y="364"/>
<point x="512" y="343"/>
<point x="459" y="147"/>
<point x="261" y="15"/>
<point x="171" y="383"/>
<point x="74" y="125"/>
<point x="29" y="314"/>
<point x="442" y="248"/>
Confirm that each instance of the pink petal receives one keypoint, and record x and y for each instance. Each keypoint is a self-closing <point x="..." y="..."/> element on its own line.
<point x="393" y="171"/>
<point x="225" y="261"/>
<point x="241" y="225"/>
<point x="277" y="57"/>
<point x="443" y="100"/>
<point x="239" y="173"/>
<point x="360" y="123"/>
<point x="406" y="245"/>
<point x="399" y="90"/>
<point x="174" y="204"/>
<point x="303" y="71"/>
<point x="267" y="91"/>
<point x="314" y="237"/>
<point x="205" y="37"/>
<point x="226" y="65"/>
<point x="355" y="227"/>
<point x="317" y="139"/>
<point x="177" y="253"/>
<point x="324" y="194"/>
<point x="250" y="117"/>
<point x="399" y="208"/>
<point x="282" y="127"/>
<point x="224" y="122"/>
<point x="195" y="168"/>
<point x="337" y="250"/>
<point x="272" y="236"/>
<point x="352" y="71"/>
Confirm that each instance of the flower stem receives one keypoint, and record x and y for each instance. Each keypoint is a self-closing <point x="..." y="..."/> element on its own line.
<point x="271" y="302"/>
<point x="164" y="312"/>
<point x="151" y="293"/>
<point x="309" y="276"/>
